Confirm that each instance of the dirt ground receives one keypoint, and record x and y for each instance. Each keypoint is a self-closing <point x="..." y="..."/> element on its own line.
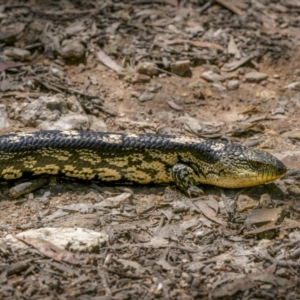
<point x="221" y="69"/>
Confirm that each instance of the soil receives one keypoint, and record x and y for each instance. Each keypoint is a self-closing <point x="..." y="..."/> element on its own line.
<point x="227" y="244"/>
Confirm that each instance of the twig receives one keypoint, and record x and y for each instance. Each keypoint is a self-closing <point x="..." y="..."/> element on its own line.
<point x="230" y="6"/>
<point x="281" y="263"/>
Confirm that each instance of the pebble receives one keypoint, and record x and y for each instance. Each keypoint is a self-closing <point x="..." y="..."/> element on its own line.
<point x="218" y="87"/>
<point x="233" y="84"/>
<point x="72" y="49"/>
<point x="255" y="77"/>
<point x="146" y="96"/>
<point x="138" y="78"/>
<point x="266" y="94"/>
<point x="293" y="85"/>
<point x="294" y="190"/>
<point x="3" y="117"/>
<point x="265" y="201"/>
<point x="268" y="143"/>
<point x="189" y="123"/>
<point x="259" y="217"/>
<point x="153" y="88"/>
<point x="147" y="68"/>
<point x="279" y="110"/>
<point x="212" y="76"/>
<point x="180" y="67"/>
<point x="74" y="105"/>
<point x="292" y="134"/>
<point x="97" y="124"/>
<point x="297" y="73"/>
<point x="56" y="112"/>
<point x="244" y="202"/>
<point x="77" y="239"/>
<point x="67" y="122"/>
<point x="17" y="54"/>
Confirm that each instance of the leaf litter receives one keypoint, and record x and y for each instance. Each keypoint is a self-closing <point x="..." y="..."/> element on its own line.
<point x="140" y="66"/>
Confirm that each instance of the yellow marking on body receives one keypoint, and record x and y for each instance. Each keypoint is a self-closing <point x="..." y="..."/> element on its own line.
<point x="84" y="173"/>
<point x="132" y="135"/>
<point x="28" y="161"/>
<point x="160" y="174"/>
<point x="90" y="156"/>
<point x="111" y="139"/>
<point x="26" y="133"/>
<point x="71" y="134"/>
<point x="6" y="155"/>
<point x="14" y="139"/>
<point x="137" y="175"/>
<point x="185" y="139"/>
<point x="169" y="158"/>
<point x="137" y="157"/>
<point x="47" y="169"/>
<point x="11" y="173"/>
<point x="217" y="146"/>
<point x="154" y="165"/>
<point x="107" y="174"/>
<point x="58" y="154"/>
<point x="119" y="162"/>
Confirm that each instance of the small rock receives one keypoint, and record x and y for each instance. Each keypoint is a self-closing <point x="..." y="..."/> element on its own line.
<point x="264" y="83"/>
<point x="72" y="49"/>
<point x="244" y="202"/>
<point x="96" y="124"/>
<point x="297" y="73"/>
<point x="147" y="68"/>
<point x="194" y="29"/>
<point x="266" y="94"/>
<point x="279" y="110"/>
<point x="3" y="117"/>
<point x="218" y="87"/>
<point x="233" y="84"/>
<point x="212" y="76"/>
<point x="180" y="67"/>
<point x="207" y="92"/>
<point x="260" y="217"/>
<point x="292" y="134"/>
<point x="17" y="54"/>
<point x="265" y="201"/>
<point x="255" y="77"/>
<point x="135" y="94"/>
<point x="76" y="239"/>
<point x="189" y="123"/>
<point x="57" y="72"/>
<point x="268" y="143"/>
<point x="290" y="158"/>
<point x="67" y="122"/>
<point x="2" y="16"/>
<point x="32" y="114"/>
<point x="138" y="78"/>
<point x="153" y="88"/>
<point x="146" y="96"/>
<point x="293" y="85"/>
<point x="74" y="105"/>
<point x="294" y="190"/>
<point x="166" y="116"/>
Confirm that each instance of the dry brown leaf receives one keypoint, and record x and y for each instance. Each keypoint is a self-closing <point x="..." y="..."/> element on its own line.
<point x="209" y="213"/>
<point x="231" y="66"/>
<point x="195" y="43"/>
<point x="10" y="65"/>
<point x="108" y="62"/>
<point x="50" y="250"/>
<point x="175" y="106"/>
<point x="250" y="109"/>
<point x="230" y="6"/>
